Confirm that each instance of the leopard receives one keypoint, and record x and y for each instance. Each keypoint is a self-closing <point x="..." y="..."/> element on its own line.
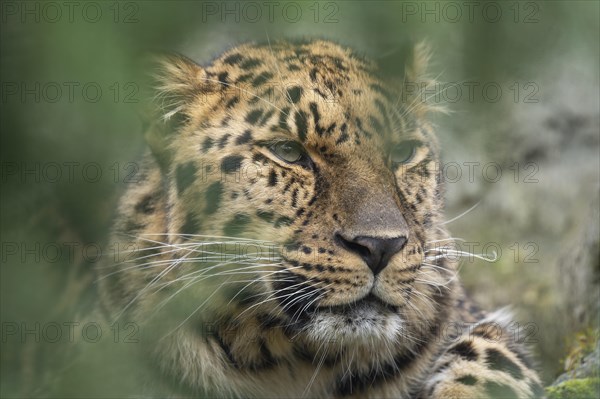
<point x="288" y="236"/>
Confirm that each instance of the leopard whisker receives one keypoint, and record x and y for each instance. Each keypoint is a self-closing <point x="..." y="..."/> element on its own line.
<point x="195" y="281"/>
<point x="462" y="254"/>
<point x="414" y="103"/>
<point x="294" y="320"/>
<point x="145" y="265"/>
<point x="321" y="294"/>
<point x="307" y="306"/>
<point x="445" y="239"/>
<point x="461" y="215"/>
<point x="153" y="281"/>
<point x="261" y="279"/>
<point x="430" y="265"/>
<point x="427" y="300"/>
<point x="273" y="296"/>
<point x="204" y="271"/>
<point x="132" y="251"/>
<point x="317" y="369"/>
<point x="274" y="293"/>
<point x="228" y="239"/>
<point x="435" y="283"/>
<point x="194" y="312"/>
<point x="298" y="298"/>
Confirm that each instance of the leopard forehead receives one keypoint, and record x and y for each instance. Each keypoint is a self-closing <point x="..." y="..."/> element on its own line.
<point x="318" y="93"/>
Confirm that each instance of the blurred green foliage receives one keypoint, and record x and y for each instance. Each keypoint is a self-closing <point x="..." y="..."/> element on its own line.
<point x="576" y="389"/>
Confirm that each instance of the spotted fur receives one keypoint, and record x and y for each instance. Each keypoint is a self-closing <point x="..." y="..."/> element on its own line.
<point x="311" y="317"/>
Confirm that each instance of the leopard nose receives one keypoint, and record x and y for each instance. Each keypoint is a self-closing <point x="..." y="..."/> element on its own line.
<point x="375" y="251"/>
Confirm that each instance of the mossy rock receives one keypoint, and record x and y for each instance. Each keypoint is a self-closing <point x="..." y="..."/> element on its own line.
<point x="581" y="388"/>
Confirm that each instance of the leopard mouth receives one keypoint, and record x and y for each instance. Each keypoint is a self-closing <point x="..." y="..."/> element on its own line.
<point x="303" y="307"/>
<point x="370" y="303"/>
<point x="366" y="321"/>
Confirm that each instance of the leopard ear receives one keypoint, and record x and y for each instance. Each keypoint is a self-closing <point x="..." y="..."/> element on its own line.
<point x="418" y="82"/>
<point x="178" y="81"/>
<point x="416" y="70"/>
<point x="174" y="86"/>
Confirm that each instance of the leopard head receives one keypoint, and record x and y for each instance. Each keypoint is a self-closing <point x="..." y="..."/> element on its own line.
<point x="302" y="184"/>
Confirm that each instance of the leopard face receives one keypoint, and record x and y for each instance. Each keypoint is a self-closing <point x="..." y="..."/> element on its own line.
<point x="312" y="178"/>
<point x="304" y="147"/>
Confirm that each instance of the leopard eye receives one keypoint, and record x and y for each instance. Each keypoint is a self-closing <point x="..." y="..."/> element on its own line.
<point x="289" y="151"/>
<point x="403" y="152"/>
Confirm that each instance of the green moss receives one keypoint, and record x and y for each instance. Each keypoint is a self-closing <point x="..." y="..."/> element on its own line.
<point x="575" y="389"/>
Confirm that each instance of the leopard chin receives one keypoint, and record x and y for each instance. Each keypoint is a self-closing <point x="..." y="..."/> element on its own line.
<point x="368" y="321"/>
